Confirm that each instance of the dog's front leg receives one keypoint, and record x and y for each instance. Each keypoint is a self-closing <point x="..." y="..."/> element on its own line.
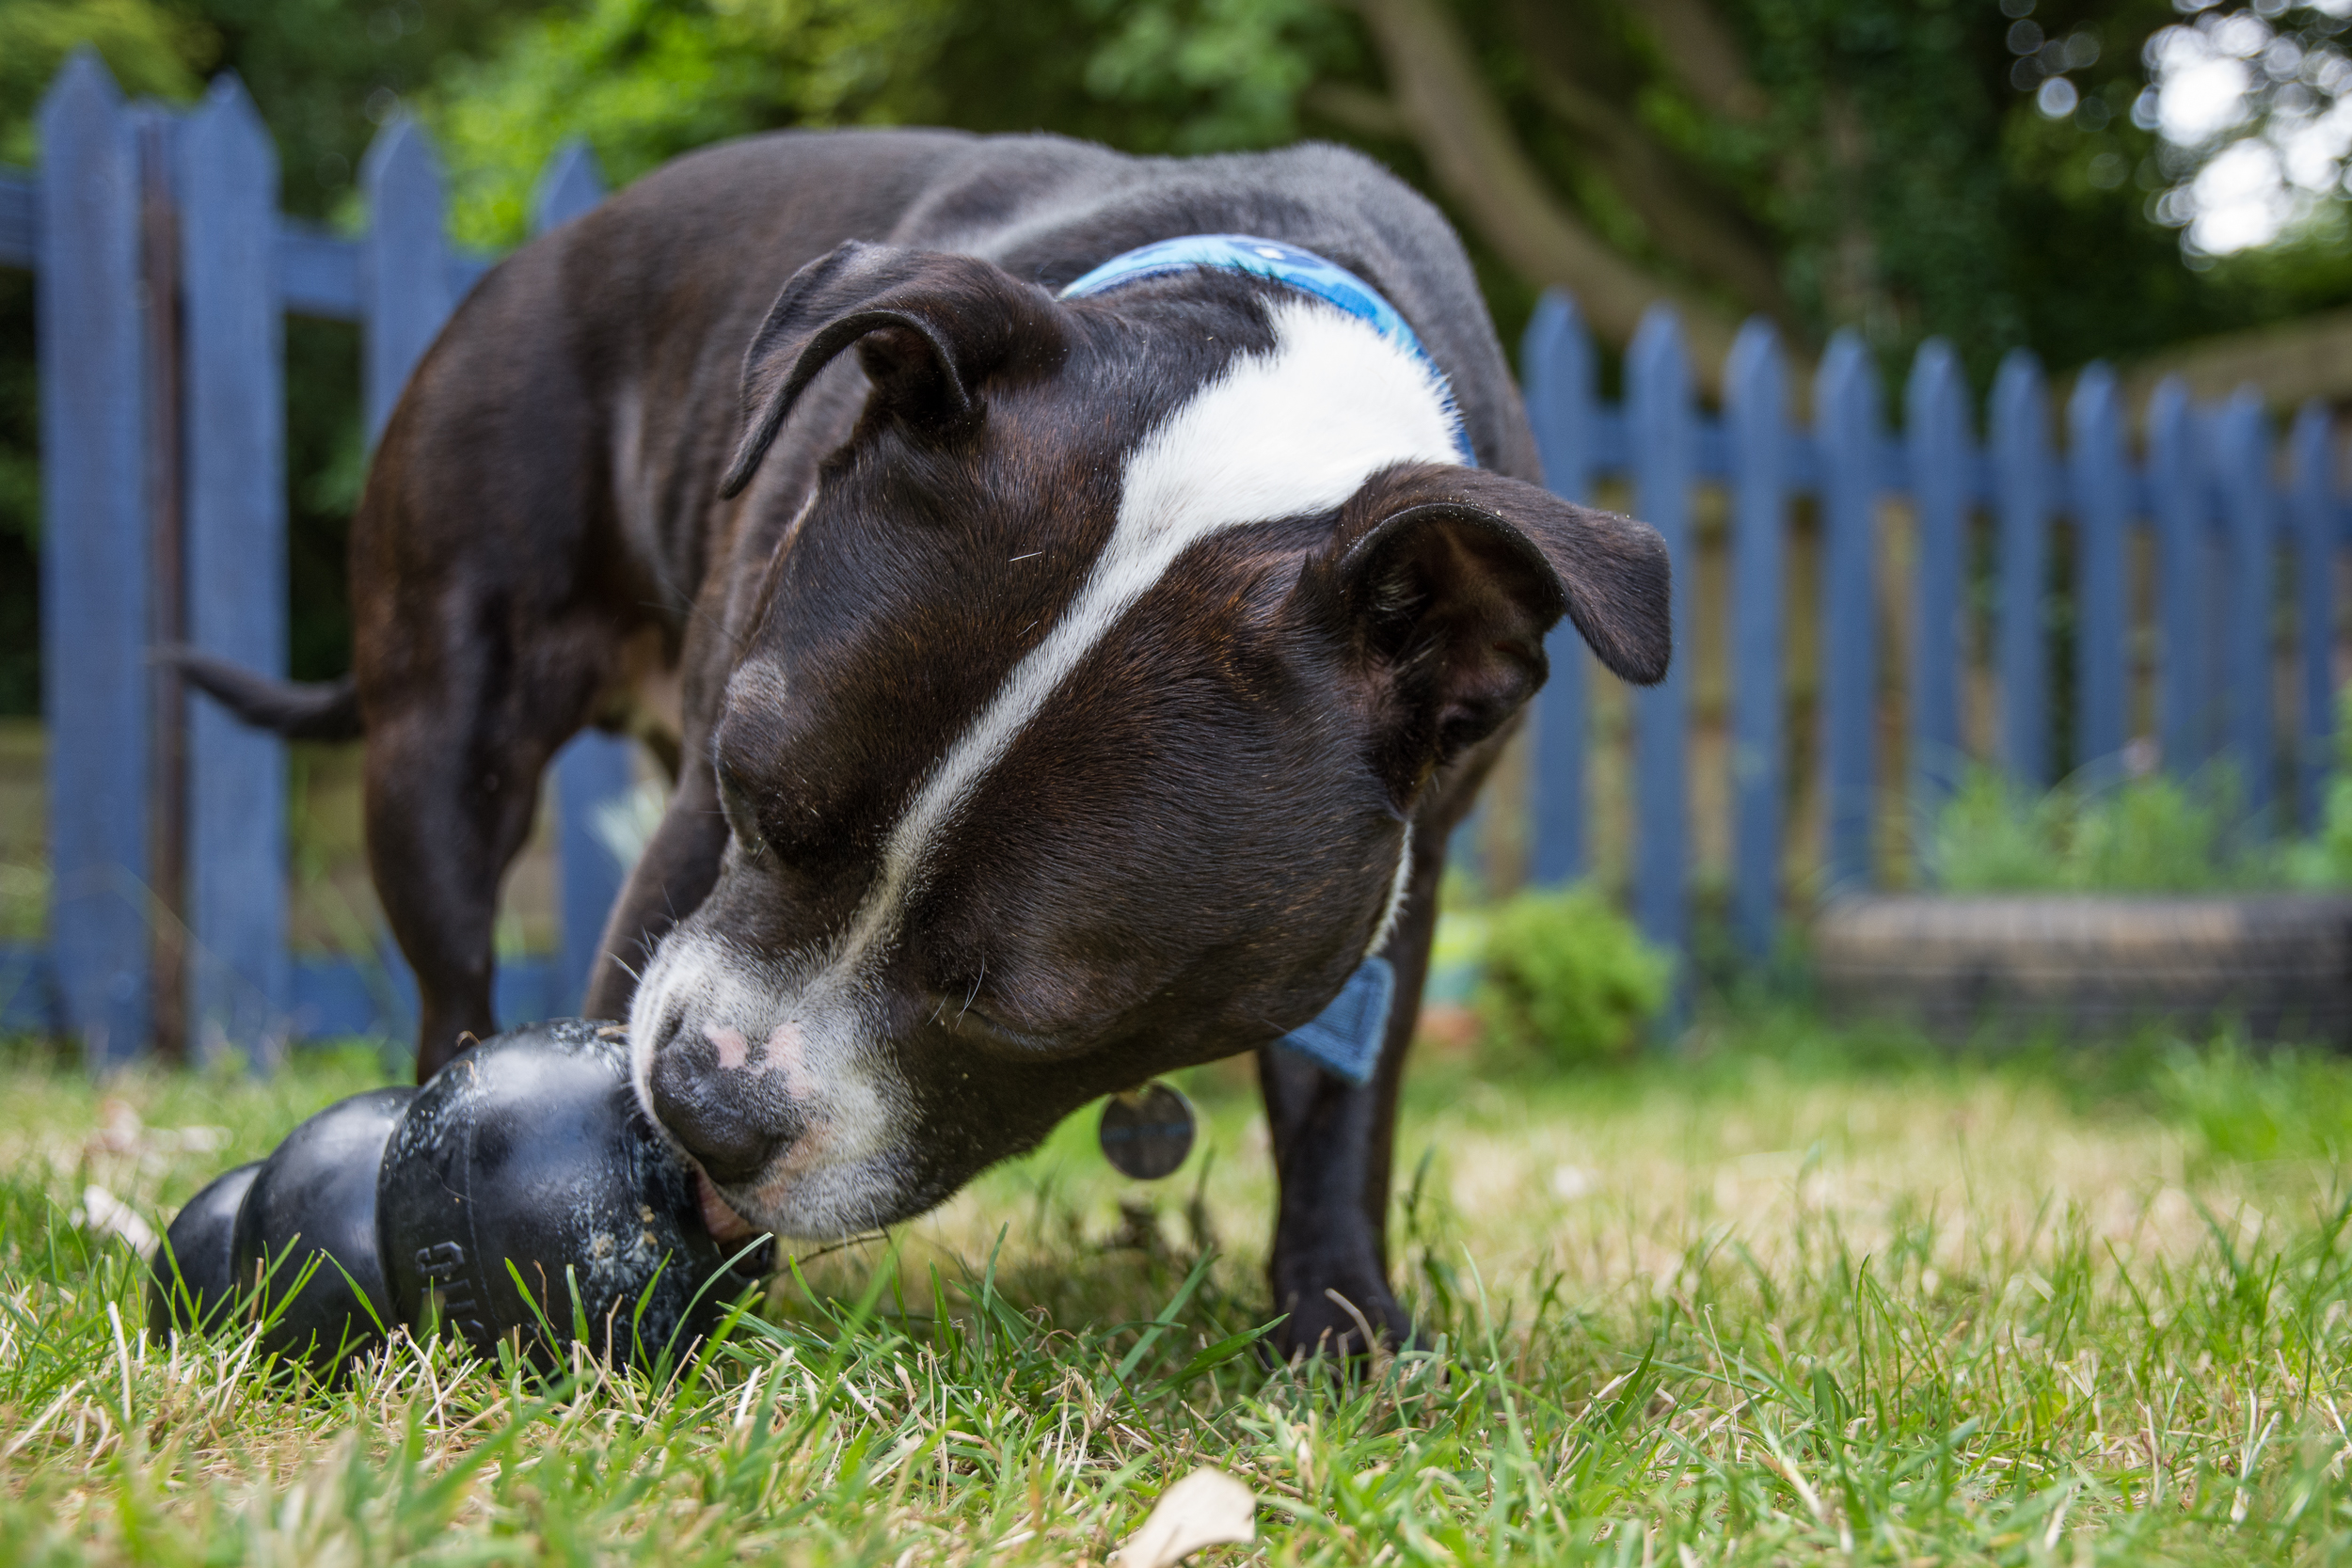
<point x="1333" y="1147"/>
<point x="675" y="874"/>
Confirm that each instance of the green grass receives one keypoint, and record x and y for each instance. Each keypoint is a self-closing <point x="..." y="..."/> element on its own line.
<point x="1790" y="1295"/>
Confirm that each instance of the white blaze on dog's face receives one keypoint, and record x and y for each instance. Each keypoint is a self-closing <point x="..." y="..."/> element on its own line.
<point x="1083" y="723"/>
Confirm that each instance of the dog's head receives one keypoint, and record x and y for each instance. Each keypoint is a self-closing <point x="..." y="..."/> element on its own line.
<point x="1083" y="713"/>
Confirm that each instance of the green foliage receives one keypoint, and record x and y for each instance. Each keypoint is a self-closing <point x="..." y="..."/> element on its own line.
<point x="1915" y="191"/>
<point x="642" y="81"/>
<point x="155" y="50"/>
<point x="1566" y="975"/>
<point x="1211" y="76"/>
<point x="2149" y="834"/>
<point x="2324" y="858"/>
<point x="2278" y="1104"/>
<point x="1877" y="155"/>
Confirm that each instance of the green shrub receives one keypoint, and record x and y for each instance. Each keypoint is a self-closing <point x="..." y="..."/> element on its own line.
<point x="1565" y="975"/>
<point x="2151" y="834"/>
<point x="2324" y="858"/>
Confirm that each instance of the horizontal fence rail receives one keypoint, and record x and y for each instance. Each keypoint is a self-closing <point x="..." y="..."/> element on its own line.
<point x="165" y="271"/>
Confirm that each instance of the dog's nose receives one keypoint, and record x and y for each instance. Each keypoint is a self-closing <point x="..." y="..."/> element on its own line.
<point x="718" y="1112"/>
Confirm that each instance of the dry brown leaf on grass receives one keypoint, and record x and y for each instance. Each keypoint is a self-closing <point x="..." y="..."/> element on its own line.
<point x="1208" y="1508"/>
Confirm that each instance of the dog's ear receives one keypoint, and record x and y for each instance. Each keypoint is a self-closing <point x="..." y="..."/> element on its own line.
<point x="929" y="326"/>
<point x="1442" y="582"/>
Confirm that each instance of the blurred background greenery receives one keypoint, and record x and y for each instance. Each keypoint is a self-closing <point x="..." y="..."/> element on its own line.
<point x="2087" y="178"/>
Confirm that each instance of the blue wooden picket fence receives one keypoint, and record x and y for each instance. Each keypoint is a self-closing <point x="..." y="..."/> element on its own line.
<point x="2209" y="490"/>
<point x="162" y="274"/>
<point x="165" y="271"/>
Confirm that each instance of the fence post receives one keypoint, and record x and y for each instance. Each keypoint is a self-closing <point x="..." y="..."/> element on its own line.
<point x="593" y="771"/>
<point x="2242" y="453"/>
<point x="404" y="296"/>
<point x="2101" y="470"/>
<point x="405" y="284"/>
<point x="1935" y="414"/>
<point x="2176" y="497"/>
<point x="95" y="590"/>
<point x="1756" y="411"/>
<point x="234" y="421"/>
<point x="1846" y="426"/>
<point x="2316" y="525"/>
<point x="2020" y="489"/>
<point x="1661" y="435"/>
<point x="1556" y="356"/>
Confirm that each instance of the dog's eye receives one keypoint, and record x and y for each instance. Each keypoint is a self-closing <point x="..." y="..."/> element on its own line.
<point x="977" y="1027"/>
<point x="736" y="806"/>
<point x="993" y="1034"/>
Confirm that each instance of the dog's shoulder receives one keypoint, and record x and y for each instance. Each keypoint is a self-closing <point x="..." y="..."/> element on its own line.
<point x="1049" y="209"/>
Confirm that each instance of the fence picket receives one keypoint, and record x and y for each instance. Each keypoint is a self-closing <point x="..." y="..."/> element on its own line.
<point x="1756" y="413"/>
<point x="1557" y="358"/>
<point x="2101" y="471"/>
<point x="1660" y="420"/>
<point x="406" y="272"/>
<point x="570" y="184"/>
<point x="2021" y="487"/>
<point x="2176" y="500"/>
<point x="2318" y="526"/>
<point x="1938" y="441"/>
<point x="2242" y="462"/>
<point x="95" y="592"/>
<point x="1846" y="429"/>
<point x="233" y="416"/>
<point x="593" y="772"/>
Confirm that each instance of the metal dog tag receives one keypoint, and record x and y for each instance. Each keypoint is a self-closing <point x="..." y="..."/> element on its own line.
<point x="1145" y="1135"/>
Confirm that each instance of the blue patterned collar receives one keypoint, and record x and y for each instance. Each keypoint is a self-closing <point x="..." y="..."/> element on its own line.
<point x="1286" y="264"/>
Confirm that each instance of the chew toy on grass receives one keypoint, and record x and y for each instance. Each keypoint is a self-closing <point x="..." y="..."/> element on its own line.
<point x="521" y="1192"/>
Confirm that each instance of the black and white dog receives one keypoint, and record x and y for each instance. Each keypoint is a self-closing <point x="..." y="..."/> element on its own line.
<point x="1068" y="684"/>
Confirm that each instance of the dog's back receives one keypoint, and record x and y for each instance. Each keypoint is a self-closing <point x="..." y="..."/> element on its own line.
<point x="608" y="353"/>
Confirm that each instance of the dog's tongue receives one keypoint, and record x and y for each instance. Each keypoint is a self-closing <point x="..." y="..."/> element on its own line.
<point x="723" y="1222"/>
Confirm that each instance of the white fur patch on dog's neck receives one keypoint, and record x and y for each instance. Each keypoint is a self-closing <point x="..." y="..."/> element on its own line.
<point x="1284" y="433"/>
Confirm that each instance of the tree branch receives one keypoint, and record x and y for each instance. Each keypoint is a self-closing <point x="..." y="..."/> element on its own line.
<point x="1687" y="227"/>
<point x="1704" y="59"/>
<point x="1360" y="109"/>
<point x="1470" y="149"/>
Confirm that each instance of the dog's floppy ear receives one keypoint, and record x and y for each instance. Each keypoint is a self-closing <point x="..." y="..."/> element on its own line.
<point x="928" y="327"/>
<point x="1443" y="582"/>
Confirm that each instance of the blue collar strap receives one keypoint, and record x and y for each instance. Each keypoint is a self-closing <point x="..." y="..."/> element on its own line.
<point x="1345" y="1037"/>
<point x="1294" y="268"/>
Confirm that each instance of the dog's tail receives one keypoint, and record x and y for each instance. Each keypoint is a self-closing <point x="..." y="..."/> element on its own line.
<point x="299" y="710"/>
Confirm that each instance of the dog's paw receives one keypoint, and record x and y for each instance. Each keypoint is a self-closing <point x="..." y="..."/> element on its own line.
<point x="1341" y="1323"/>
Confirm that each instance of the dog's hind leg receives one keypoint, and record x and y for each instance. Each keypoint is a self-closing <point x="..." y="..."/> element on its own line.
<point x="453" y="776"/>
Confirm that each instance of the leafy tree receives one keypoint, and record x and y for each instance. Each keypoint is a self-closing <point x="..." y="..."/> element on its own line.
<point x="2001" y="172"/>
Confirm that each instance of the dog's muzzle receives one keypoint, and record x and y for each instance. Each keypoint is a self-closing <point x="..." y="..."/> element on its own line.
<point x="736" y="1122"/>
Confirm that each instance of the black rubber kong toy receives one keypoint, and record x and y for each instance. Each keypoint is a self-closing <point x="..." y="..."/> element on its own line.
<point x="529" y="1148"/>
